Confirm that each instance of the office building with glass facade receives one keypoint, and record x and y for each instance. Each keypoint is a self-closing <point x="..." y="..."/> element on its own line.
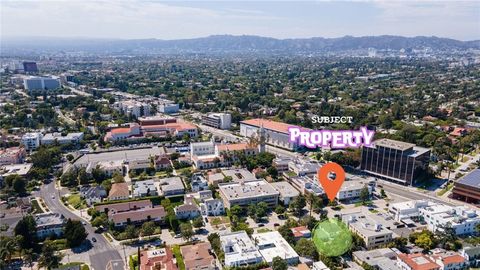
<point x="395" y="161"/>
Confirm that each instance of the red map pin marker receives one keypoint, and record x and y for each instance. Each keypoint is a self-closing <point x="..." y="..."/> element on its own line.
<point x="330" y="186"/>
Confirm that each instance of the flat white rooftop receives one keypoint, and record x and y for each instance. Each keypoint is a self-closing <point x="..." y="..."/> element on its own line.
<point x="272" y="244"/>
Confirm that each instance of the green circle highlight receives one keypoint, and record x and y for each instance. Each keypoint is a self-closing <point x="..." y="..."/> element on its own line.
<point x="332" y="237"/>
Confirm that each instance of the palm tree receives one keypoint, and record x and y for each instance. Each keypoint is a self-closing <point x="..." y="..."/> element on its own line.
<point x="7" y="249"/>
<point x="28" y="257"/>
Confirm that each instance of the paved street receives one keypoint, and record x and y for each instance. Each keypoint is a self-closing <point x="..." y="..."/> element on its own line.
<point x="102" y="251"/>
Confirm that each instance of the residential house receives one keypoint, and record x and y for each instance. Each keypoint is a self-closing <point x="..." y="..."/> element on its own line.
<point x="198" y="257"/>
<point x="93" y="194"/>
<point x="119" y="191"/>
<point x="144" y="188"/>
<point x="212" y="207"/>
<point x="162" y="162"/>
<point x="188" y="210"/>
<point x="161" y="258"/>
<point x="198" y="182"/>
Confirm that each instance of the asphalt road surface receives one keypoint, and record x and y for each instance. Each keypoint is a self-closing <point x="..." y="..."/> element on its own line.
<point x="411" y="195"/>
<point x="102" y="251"/>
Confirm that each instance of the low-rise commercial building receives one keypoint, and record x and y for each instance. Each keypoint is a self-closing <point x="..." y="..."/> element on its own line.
<point x="51" y="138"/>
<point x="276" y="133"/>
<point x="248" y="192"/>
<point x="408" y="209"/>
<point x="467" y="188"/>
<point x="18" y="169"/>
<point x="218" y="120"/>
<point x="272" y="244"/>
<point x="239" y="249"/>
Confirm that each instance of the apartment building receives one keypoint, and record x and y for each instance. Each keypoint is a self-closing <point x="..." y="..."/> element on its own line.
<point x="136" y="212"/>
<point x="272" y="244"/>
<point x="49" y="224"/>
<point x="133" y="108"/>
<point x="248" y="192"/>
<point x="31" y="141"/>
<point x="239" y="249"/>
<point x="461" y="219"/>
<point x="12" y="155"/>
<point x="416" y="261"/>
<point x="371" y="231"/>
<point x="287" y="192"/>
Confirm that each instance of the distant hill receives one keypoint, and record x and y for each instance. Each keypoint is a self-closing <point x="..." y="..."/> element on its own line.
<point x="243" y="44"/>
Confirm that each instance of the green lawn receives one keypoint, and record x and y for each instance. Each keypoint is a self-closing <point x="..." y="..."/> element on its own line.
<point x="76" y="201"/>
<point x="443" y="191"/>
<point x="178" y="256"/>
<point x="36" y="207"/>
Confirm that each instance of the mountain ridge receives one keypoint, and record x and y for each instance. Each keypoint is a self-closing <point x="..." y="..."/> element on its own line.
<point x="248" y="43"/>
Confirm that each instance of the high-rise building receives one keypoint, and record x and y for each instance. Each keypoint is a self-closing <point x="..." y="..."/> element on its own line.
<point x="34" y="83"/>
<point x="30" y="67"/>
<point x="395" y="161"/>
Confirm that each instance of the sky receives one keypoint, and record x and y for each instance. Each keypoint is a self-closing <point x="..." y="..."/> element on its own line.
<point x="138" y="19"/>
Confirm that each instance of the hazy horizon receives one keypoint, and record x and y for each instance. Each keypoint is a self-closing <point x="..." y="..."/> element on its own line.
<point x="166" y="20"/>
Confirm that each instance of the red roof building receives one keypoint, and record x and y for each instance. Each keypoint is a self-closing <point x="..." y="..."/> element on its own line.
<point x="157" y="259"/>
